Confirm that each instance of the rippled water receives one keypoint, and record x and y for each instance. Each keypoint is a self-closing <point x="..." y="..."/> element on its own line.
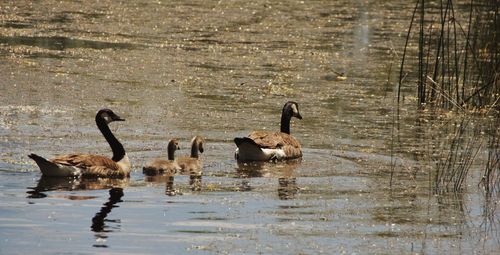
<point x="222" y="69"/>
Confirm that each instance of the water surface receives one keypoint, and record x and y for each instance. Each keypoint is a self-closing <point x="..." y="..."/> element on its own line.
<point x="222" y="69"/>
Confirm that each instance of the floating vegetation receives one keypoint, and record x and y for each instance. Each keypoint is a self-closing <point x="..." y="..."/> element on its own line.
<point x="63" y="43"/>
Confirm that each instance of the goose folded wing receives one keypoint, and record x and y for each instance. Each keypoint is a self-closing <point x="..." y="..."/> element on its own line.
<point x="289" y="140"/>
<point x="92" y="165"/>
<point x="268" y="140"/>
<point x="278" y="140"/>
<point x="273" y="140"/>
<point x="291" y="146"/>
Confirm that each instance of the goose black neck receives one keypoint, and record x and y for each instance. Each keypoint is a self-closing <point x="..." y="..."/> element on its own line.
<point x="171" y="151"/>
<point x="194" y="149"/>
<point x="116" y="146"/>
<point x="285" y="122"/>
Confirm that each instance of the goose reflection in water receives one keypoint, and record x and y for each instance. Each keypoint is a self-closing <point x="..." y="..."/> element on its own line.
<point x="99" y="226"/>
<point x="284" y="171"/>
<point x="195" y="183"/>
<point x="46" y="184"/>
<point x="99" y="221"/>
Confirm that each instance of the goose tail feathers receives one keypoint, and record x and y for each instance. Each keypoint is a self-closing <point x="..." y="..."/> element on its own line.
<point x="245" y="141"/>
<point x="248" y="150"/>
<point x="51" y="169"/>
<point x="41" y="161"/>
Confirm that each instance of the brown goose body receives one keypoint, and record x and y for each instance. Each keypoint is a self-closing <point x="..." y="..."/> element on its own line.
<point x="164" y="166"/>
<point x="192" y="165"/>
<point x="89" y="165"/>
<point x="265" y="145"/>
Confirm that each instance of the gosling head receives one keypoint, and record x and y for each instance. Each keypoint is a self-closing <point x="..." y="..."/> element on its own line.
<point x="197" y="142"/>
<point x="173" y="145"/>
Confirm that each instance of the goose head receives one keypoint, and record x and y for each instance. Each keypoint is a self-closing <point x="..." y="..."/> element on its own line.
<point x="173" y="145"/>
<point x="108" y="116"/>
<point x="198" y="142"/>
<point x="197" y="145"/>
<point x="291" y="109"/>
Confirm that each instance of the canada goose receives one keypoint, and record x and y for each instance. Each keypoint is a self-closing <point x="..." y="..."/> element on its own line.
<point x="265" y="145"/>
<point x="192" y="164"/>
<point x="88" y="165"/>
<point x="162" y="166"/>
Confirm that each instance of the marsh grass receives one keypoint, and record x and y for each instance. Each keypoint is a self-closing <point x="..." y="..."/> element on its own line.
<point x="455" y="161"/>
<point x="491" y="177"/>
<point x="451" y="55"/>
<point x="457" y="54"/>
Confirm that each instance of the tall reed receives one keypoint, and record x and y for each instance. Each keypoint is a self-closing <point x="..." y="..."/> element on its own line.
<point x="451" y="54"/>
<point x="458" y="60"/>
<point x="453" y="166"/>
<point x="491" y="177"/>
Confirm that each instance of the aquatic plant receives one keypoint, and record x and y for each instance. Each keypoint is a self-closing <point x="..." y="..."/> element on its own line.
<point x="457" y="55"/>
<point x="491" y="177"/>
<point x="453" y="166"/>
<point x="454" y="61"/>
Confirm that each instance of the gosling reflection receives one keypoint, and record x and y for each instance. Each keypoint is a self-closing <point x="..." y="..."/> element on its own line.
<point x="46" y="184"/>
<point x="287" y="188"/>
<point x="195" y="183"/>
<point x="99" y="221"/>
<point x="283" y="171"/>
<point x="169" y="186"/>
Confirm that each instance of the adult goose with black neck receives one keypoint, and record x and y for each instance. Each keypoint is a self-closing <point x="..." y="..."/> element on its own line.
<point x="265" y="145"/>
<point x="89" y="165"/>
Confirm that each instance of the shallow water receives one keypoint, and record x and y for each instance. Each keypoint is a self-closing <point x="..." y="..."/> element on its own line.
<point x="222" y="69"/>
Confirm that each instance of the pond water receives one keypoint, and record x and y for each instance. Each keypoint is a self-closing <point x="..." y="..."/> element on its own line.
<point x="221" y="69"/>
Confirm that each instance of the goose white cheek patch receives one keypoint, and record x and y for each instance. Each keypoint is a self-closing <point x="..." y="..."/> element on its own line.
<point x="295" y="110"/>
